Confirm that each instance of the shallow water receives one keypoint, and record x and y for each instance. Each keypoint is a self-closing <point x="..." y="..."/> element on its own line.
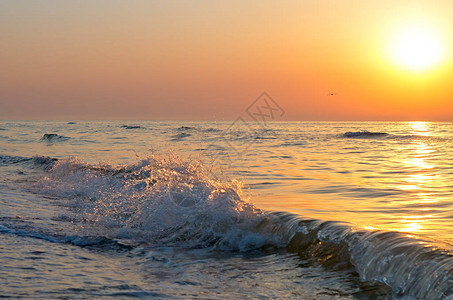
<point x="214" y="210"/>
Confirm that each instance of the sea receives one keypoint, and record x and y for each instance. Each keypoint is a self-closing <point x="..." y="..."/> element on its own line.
<point x="226" y="210"/>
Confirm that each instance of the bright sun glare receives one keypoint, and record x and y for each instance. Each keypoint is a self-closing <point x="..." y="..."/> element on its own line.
<point x="417" y="49"/>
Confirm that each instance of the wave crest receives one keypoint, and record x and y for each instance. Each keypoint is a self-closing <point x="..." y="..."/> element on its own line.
<point x="157" y="199"/>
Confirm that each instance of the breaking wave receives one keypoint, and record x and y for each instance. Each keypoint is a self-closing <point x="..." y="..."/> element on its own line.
<point x="175" y="202"/>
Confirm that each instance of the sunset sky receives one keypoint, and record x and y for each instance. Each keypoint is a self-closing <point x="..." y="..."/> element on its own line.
<point x="208" y="60"/>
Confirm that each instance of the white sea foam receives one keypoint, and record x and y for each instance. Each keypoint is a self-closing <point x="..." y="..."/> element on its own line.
<point x="163" y="199"/>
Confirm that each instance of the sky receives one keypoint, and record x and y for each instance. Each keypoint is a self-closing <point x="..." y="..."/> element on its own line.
<point x="209" y="60"/>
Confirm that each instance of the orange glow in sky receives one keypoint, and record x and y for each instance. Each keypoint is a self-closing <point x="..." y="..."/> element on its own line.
<point x="207" y="60"/>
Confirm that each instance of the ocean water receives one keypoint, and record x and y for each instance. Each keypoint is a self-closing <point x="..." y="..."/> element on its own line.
<point x="213" y="210"/>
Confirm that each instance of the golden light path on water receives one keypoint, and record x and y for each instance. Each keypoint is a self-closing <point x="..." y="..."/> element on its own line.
<point x="397" y="187"/>
<point x="421" y="184"/>
<point x="425" y="173"/>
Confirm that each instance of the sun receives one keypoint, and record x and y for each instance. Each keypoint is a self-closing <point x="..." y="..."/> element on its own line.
<point x="416" y="48"/>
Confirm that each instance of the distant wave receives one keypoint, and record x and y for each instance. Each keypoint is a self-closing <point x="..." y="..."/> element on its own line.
<point x="186" y="128"/>
<point x="364" y="133"/>
<point x="371" y="134"/>
<point x="131" y="126"/>
<point x="290" y="144"/>
<point x="180" y="136"/>
<point x="53" y="137"/>
<point x="212" y="130"/>
<point x="175" y="202"/>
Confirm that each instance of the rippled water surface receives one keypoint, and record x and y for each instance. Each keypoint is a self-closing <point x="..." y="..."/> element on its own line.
<point x="216" y="209"/>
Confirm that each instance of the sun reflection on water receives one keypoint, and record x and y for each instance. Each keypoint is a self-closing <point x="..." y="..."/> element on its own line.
<point x="421" y="164"/>
<point x="411" y="227"/>
<point x="420" y="128"/>
<point x="397" y="182"/>
<point x="413" y="223"/>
